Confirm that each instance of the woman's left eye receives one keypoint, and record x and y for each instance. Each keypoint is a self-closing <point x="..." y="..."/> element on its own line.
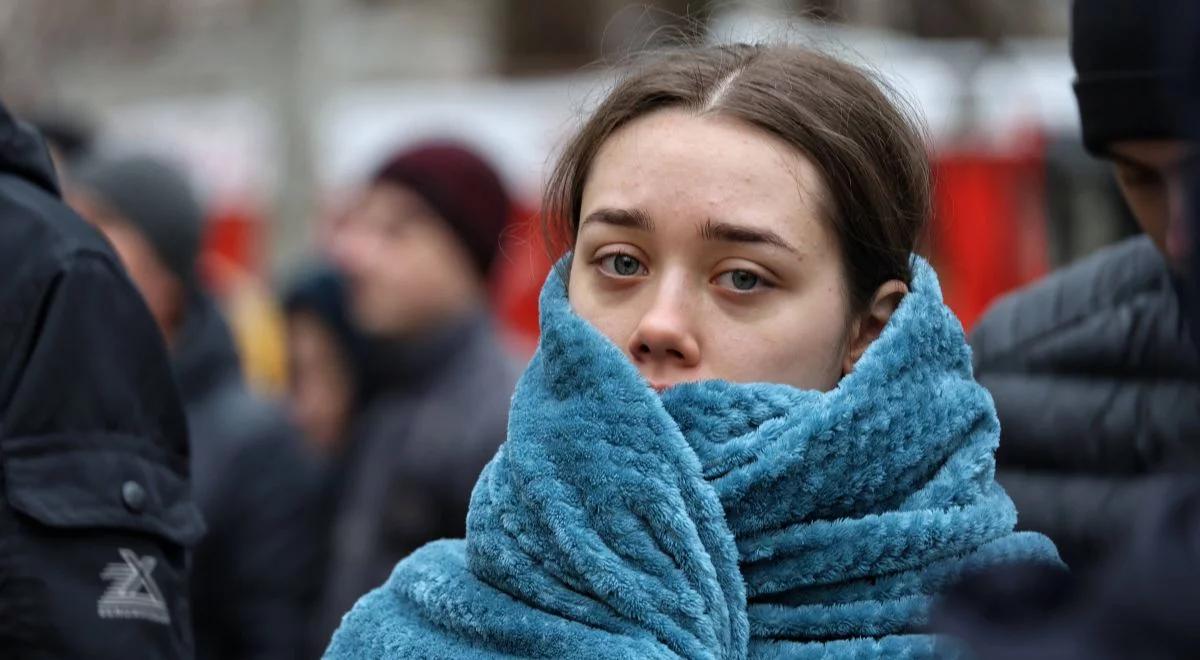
<point x="739" y="280"/>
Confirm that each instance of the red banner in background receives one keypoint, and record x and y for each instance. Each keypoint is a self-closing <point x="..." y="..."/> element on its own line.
<point x="989" y="230"/>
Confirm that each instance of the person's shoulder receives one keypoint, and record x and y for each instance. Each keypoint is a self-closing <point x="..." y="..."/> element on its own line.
<point x="61" y="280"/>
<point x="39" y="227"/>
<point x="1107" y="278"/>
<point x="42" y="241"/>
<point x="1104" y="284"/>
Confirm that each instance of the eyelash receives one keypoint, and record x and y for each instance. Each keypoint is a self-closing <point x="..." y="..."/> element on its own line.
<point x="763" y="282"/>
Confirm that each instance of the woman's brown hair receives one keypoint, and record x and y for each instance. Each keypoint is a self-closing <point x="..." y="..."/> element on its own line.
<point x="871" y="156"/>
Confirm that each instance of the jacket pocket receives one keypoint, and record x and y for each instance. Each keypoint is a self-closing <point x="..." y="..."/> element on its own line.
<point x="99" y="481"/>
<point x="95" y="564"/>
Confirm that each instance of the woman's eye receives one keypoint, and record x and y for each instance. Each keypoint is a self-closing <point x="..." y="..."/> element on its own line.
<point x="739" y="280"/>
<point x="621" y="265"/>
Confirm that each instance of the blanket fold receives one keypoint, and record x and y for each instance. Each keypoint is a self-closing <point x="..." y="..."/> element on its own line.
<point x="717" y="520"/>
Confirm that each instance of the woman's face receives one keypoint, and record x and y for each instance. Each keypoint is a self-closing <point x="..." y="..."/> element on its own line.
<point x="702" y="253"/>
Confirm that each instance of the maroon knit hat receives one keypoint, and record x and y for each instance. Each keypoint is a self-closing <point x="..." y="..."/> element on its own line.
<point x="463" y="189"/>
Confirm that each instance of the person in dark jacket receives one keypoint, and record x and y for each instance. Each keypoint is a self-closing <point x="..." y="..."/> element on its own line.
<point x="96" y="518"/>
<point x="416" y="252"/>
<point x="327" y="387"/>
<point x="1095" y="378"/>
<point x="326" y="361"/>
<point x="1139" y="602"/>
<point x="253" y="575"/>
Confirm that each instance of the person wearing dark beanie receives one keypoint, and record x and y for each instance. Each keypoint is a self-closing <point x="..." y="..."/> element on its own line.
<point x="1093" y="370"/>
<point x="416" y="251"/>
<point x="463" y="190"/>
<point x="325" y="360"/>
<point x="1129" y="91"/>
<point x="148" y="211"/>
<point x="1122" y="85"/>
<point x="253" y="481"/>
<point x="418" y="246"/>
<point x="1096" y="380"/>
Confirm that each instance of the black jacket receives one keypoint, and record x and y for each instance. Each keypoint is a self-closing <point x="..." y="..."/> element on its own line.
<point x="95" y="512"/>
<point x="256" y="572"/>
<point x="1097" y="384"/>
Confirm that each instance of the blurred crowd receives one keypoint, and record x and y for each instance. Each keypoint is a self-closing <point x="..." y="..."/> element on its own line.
<point x="311" y="498"/>
<point x="389" y="372"/>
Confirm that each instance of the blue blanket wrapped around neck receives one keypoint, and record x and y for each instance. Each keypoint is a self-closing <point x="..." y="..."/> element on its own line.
<point x="717" y="520"/>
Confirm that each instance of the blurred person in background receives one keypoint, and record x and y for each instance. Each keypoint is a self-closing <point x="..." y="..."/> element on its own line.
<point x="326" y="360"/>
<point x="326" y="387"/>
<point x="417" y="251"/>
<point x="96" y="518"/>
<point x="1095" y="378"/>
<point x="253" y="576"/>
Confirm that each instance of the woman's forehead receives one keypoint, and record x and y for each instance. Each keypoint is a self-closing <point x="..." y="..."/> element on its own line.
<point x="674" y="164"/>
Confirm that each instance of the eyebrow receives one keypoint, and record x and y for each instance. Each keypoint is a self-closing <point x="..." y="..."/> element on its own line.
<point x="712" y="230"/>
<point x="631" y="218"/>
<point x="731" y="233"/>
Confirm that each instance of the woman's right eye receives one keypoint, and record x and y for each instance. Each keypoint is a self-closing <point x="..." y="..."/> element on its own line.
<point x="622" y="265"/>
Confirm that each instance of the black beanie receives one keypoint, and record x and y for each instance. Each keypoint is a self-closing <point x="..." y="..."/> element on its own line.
<point x="463" y="189"/>
<point x="1124" y="81"/>
<point x="157" y="200"/>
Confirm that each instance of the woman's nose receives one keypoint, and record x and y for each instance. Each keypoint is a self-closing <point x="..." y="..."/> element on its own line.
<point x="665" y="334"/>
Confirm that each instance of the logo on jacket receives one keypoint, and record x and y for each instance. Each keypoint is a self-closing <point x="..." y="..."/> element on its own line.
<point x="132" y="593"/>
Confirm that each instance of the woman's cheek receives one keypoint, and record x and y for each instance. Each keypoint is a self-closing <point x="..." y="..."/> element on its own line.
<point x="736" y="360"/>
<point x="607" y="320"/>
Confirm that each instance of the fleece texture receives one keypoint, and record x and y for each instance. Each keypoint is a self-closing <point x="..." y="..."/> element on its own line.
<point x="717" y="520"/>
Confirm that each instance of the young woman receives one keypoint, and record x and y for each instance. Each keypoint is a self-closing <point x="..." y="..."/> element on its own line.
<point x="750" y="428"/>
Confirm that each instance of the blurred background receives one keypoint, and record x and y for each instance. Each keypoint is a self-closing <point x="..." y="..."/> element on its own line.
<point x="280" y="108"/>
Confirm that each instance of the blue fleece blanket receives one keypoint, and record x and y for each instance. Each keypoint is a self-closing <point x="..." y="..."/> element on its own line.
<point x="718" y="520"/>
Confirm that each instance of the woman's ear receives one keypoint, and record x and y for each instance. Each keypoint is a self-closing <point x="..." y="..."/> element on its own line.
<point x="868" y="326"/>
